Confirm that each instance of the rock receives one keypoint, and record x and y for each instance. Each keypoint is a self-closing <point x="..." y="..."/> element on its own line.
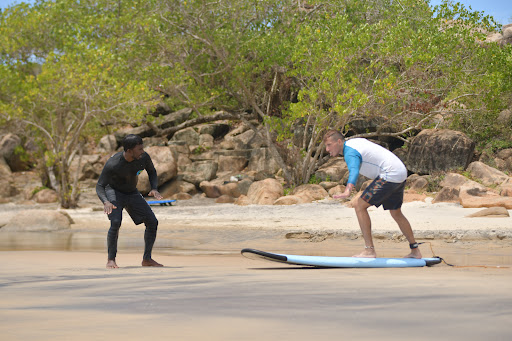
<point x="225" y="199"/>
<point x="8" y="145"/>
<point x="166" y="165"/>
<point x="200" y="171"/>
<point x="491" y="212"/>
<point x="417" y="183"/>
<point x="265" y="192"/>
<point x="107" y="144"/>
<point x="439" y="150"/>
<point x="232" y="163"/>
<point x="90" y="167"/>
<point x="188" y="135"/>
<point x="476" y="196"/>
<point x="507" y="33"/>
<point x="261" y="160"/>
<point x="177" y="186"/>
<point x="217" y="130"/>
<point x="251" y="140"/>
<point x="206" y="141"/>
<point x="243" y="200"/>
<point x="289" y="200"/>
<point x="181" y="196"/>
<point x="217" y="188"/>
<point x="411" y="195"/>
<point x="506" y="188"/>
<point x="505" y="117"/>
<point x="210" y="189"/>
<point x="46" y="196"/>
<point x="7" y="188"/>
<point x="175" y="118"/>
<point x="333" y="170"/>
<point x="494" y="38"/>
<point x="327" y="185"/>
<point x="310" y="192"/>
<point x="453" y="180"/>
<point x="5" y="170"/>
<point x="447" y="194"/>
<point x="337" y="190"/>
<point x="38" y="221"/>
<point x="488" y="175"/>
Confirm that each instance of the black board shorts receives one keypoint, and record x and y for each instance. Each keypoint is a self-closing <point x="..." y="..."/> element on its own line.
<point x="388" y="194"/>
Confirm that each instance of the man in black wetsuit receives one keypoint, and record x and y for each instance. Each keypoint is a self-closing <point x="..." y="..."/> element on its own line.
<point x="117" y="189"/>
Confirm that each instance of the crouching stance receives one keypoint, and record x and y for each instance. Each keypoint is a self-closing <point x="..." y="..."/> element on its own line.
<point x="117" y="189"/>
<point x="387" y="189"/>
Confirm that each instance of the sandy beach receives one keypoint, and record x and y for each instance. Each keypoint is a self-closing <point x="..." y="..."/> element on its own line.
<point x="55" y="286"/>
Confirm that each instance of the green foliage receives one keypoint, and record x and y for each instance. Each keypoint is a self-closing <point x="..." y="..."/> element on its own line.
<point x="70" y="69"/>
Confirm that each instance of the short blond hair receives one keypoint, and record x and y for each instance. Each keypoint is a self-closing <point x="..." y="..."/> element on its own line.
<point x="334" y="134"/>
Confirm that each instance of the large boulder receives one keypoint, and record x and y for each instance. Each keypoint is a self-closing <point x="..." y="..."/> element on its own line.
<point x="46" y="196"/>
<point x="232" y="163"/>
<point x="90" y="167"/>
<point x="310" y="192"/>
<point x="107" y="144"/>
<point x="200" y="171"/>
<point x="38" y="221"/>
<point x="474" y="195"/>
<point x="165" y="161"/>
<point x="8" y="145"/>
<point x="439" y="150"/>
<point x="188" y="135"/>
<point x="265" y="192"/>
<point x="176" y="186"/>
<point x="487" y="175"/>
<point x="333" y="170"/>
<point x="261" y="160"/>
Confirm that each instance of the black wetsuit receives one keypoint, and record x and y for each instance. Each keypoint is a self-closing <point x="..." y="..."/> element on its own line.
<point x="118" y="185"/>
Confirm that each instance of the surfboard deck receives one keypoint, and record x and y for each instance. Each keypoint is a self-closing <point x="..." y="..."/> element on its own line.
<point x="161" y="202"/>
<point x="340" y="262"/>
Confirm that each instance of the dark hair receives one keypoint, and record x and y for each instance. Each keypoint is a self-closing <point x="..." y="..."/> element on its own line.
<point x="130" y="141"/>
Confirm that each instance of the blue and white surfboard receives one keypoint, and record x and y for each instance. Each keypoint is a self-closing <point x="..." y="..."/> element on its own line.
<point x="341" y="262"/>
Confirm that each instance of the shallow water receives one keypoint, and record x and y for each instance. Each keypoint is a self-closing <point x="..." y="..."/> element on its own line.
<point x="204" y="242"/>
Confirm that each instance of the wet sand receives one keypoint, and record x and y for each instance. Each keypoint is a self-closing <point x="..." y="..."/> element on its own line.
<point x="52" y="295"/>
<point x="55" y="285"/>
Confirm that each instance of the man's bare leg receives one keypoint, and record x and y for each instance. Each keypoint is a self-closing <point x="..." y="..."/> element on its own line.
<point x="150" y="262"/>
<point x="365" y="224"/>
<point x="111" y="264"/>
<point x="406" y="229"/>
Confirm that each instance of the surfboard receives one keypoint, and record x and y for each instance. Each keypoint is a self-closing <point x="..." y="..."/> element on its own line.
<point x="161" y="202"/>
<point x="340" y="262"/>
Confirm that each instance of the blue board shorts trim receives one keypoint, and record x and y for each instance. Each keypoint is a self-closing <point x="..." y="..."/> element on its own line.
<point x="388" y="194"/>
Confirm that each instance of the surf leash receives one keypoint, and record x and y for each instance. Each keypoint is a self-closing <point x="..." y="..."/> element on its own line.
<point x="461" y="266"/>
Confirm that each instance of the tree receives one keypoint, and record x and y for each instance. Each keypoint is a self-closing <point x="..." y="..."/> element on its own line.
<point x="80" y="79"/>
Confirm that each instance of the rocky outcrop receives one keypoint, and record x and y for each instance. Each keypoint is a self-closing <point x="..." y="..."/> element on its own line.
<point x="439" y="150"/>
<point x="38" y="221"/>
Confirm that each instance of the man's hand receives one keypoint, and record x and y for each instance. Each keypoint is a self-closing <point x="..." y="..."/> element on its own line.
<point x="156" y="194"/>
<point x="108" y="207"/>
<point x="345" y="194"/>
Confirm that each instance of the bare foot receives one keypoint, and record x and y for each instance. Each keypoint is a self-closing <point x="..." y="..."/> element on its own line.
<point x="367" y="253"/>
<point x="150" y="262"/>
<point x="111" y="264"/>
<point x="415" y="253"/>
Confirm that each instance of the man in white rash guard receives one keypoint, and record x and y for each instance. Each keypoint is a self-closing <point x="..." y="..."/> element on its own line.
<point x="387" y="189"/>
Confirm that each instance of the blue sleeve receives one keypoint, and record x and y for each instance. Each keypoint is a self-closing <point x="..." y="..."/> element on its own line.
<point x="353" y="159"/>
